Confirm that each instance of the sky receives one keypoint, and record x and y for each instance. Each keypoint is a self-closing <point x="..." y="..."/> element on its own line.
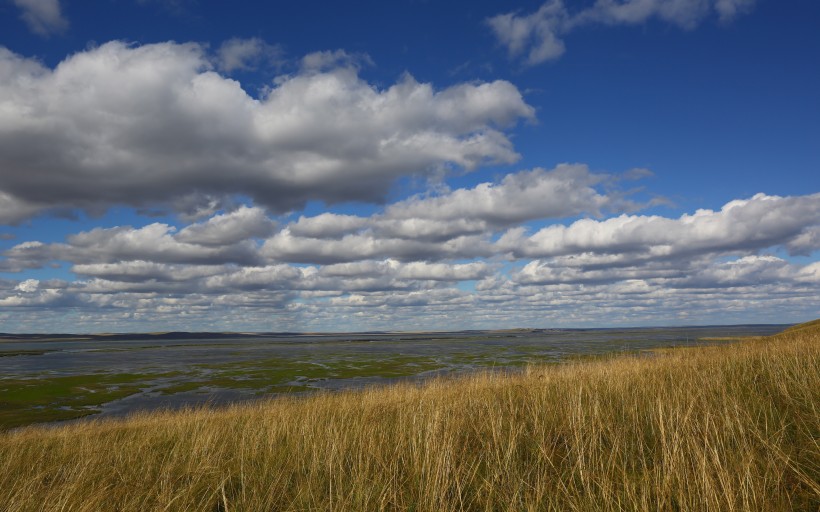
<point x="408" y="165"/>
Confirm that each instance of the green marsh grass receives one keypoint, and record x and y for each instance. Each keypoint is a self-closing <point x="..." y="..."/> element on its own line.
<point x="733" y="427"/>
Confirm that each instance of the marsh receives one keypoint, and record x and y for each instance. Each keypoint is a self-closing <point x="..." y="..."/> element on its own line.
<point x="47" y="379"/>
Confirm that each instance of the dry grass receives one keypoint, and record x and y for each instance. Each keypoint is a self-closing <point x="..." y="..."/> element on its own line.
<point x="734" y="427"/>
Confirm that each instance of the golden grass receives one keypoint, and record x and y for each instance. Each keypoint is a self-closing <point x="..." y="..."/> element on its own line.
<point x="735" y="427"/>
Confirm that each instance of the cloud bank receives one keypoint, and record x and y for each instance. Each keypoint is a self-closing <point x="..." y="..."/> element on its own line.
<point x="453" y="262"/>
<point x="539" y="37"/>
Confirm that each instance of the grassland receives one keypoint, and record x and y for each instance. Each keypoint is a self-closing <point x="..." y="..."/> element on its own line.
<point x="730" y="427"/>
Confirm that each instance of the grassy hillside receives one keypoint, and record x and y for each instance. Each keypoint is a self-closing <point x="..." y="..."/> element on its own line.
<point x="814" y="325"/>
<point x="734" y="427"/>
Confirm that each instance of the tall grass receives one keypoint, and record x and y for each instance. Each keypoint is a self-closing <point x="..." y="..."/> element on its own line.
<point x="735" y="427"/>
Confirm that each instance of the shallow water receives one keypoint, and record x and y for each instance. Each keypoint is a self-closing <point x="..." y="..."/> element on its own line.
<point x="156" y="373"/>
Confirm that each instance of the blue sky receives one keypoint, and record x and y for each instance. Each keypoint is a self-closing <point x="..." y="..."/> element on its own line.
<point x="196" y="165"/>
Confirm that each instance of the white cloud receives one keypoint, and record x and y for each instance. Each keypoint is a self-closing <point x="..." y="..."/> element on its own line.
<point x="565" y="191"/>
<point x="700" y="273"/>
<point x="430" y="262"/>
<point x="327" y="225"/>
<point x="745" y="271"/>
<point x="442" y="271"/>
<point x="286" y="246"/>
<point x="229" y="228"/>
<point x="810" y="273"/>
<point x="147" y="125"/>
<point x="553" y="272"/>
<point x="728" y="9"/>
<point x="44" y="298"/>
<point x="43" y="17"/>
<point x="429" y="230"/>
<point x="142" y="271"/>
<point x="388" y="294"/>
<point x="538" y="34"/>
<point x="324" y="60"/>
<point x="806" y="242"/>
<point x="742" y="225"/>
<point x="414" y="270"/>
<point x="28" y="286"/>
<point x="155" y="242"/>
<point x="246" y="54"/>
<point x="684" y="13"/>
<point x="31" y="254"/>
<point x="33" y="293"/>
<point x="255" y="278"/>
<point x="538" y="37"/>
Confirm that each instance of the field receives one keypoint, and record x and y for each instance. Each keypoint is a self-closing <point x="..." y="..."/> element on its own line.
<point x="729" y="427"/>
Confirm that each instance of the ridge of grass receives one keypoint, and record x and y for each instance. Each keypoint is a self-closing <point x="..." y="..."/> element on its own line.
<point x="805" y="326"/>
<point x="728" y="427"/>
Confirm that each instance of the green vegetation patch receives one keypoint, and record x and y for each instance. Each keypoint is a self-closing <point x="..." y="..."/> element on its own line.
<point x="279" y="375"/>
<point x="26" y="401"/>
<point x="32" y="352"/>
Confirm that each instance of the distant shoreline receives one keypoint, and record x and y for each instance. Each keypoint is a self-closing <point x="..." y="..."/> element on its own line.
<point x="210" y="335"/>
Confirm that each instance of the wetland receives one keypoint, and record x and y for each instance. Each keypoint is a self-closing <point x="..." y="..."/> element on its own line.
<point x="50" y="378"/>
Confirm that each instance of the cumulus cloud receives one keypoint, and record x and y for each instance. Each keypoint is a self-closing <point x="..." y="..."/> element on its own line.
<point x="728" y="9"/>
<point x="438" y="258"/>
<point x="699" y="273"/>
<point x="154" y="243"/>
<point x="327" y="225"/>
<point x="53" y="298"/>
<point x="220" y="280"/>
<point x="286" y="246"/>
<point x="565" y="191"/>
<point x="745" y="271"/>
<point x="806" y="242"/>
<point x="810" y="273"/>
<point x="43" y="17"/>
<point x="360" y="276"/>
<point x="146" y="125"/>
<point x="229" y="228"/>
<point x="237" y="54"/>
<point x="324" y="60"/>
<point x="553" y="272"/>
<point x="28" y="286"/>
<point x="141" y="271"/>
<point x="443" y="272"/>
<point x="456" y="225"/>
<point x="462" y="224"/>
<point x="428" y="230"/>
<point x="414" y="270"/>
<point x="741" y="225"/>
<point x="33" y="293"/>
<point x="539" y="37"/>
<point x="25" y="255"/>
